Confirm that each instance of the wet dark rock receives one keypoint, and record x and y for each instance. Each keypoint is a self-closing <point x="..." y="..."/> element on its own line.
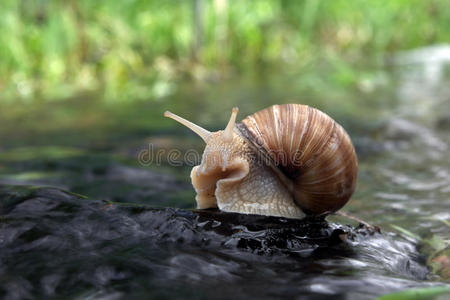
<point x="57" y="244"/>
<point x="266" y="235"/>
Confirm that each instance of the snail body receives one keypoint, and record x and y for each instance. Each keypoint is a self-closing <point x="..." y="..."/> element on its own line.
<point x="286" y="160"/>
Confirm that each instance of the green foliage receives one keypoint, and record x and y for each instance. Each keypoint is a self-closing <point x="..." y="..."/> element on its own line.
<point x="140" y="49"/>
<point x="406" y="232"/>
<point x="437" y="250"/>
<point x="418" y="294"/>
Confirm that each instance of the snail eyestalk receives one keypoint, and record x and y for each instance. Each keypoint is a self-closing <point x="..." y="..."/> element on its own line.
<point x="228" y="132"/>
<point x="201" y="132"/>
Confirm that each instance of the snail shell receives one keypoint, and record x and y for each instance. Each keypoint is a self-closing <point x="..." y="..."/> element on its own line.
<point x="286" y="160"/>
<point x="310" y="149"/>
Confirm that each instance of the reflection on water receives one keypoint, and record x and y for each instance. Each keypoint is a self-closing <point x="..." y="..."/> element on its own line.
<point x="57" y="244"/>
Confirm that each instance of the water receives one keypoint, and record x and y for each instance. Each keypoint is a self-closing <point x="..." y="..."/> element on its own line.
<point x="56" y="244"/>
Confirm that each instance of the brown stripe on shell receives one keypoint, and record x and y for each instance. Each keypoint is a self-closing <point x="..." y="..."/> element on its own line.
<point x="311" y="149"/>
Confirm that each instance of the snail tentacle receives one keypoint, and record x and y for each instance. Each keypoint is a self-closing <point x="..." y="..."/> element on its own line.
<point x="203" y="133"/>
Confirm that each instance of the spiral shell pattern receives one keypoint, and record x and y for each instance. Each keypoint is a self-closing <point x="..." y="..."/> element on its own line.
<point x="310" y="149"/>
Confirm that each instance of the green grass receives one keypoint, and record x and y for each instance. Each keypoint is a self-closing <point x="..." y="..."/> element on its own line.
<point x="129" y="50"/>
<point x="418" y="293"/>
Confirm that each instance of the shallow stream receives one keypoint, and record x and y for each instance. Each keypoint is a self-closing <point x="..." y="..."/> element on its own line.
<point x="112" y="242"/>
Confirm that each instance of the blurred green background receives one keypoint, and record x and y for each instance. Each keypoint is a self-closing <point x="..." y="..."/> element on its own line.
<point x="142" y="50"/>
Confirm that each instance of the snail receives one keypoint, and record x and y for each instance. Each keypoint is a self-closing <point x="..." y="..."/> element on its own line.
<point x="287" y="160"/>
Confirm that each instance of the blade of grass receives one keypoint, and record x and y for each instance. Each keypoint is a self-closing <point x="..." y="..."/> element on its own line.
<point x="406" y="232"/>
<point x="417" y="294"/>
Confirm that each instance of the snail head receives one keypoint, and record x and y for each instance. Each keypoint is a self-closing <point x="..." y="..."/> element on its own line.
<point x="222" y="159"/>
